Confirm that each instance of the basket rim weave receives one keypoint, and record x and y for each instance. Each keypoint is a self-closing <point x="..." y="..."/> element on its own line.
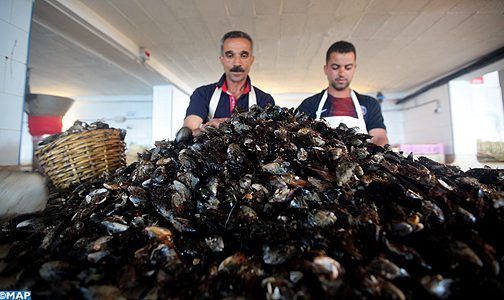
<point x="82" y="156"/>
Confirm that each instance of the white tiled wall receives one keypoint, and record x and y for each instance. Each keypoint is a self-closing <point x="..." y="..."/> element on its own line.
<point x="9" y="147"/>
<point x="5" y="10"/>
<point x="14" y="77"/>
<point x="12" y="41"/>
<point x="11" y="121"/>
<point x="15" y="18"/>
<point x="21" y="13"/>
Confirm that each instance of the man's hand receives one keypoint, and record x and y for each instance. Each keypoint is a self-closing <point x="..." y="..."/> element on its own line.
<point x="214" y="122"/>
<point x="379" y="136"/>
<point x="195" y="123"/>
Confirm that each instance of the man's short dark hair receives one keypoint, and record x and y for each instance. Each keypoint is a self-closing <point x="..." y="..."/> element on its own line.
<point x="234" y="35"/>
<point x="340" y="47"/>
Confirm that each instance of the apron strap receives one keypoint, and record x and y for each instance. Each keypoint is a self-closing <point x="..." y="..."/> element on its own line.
<point x="358" y="109"/>
<point x="214" y="101"/>
<point x="252" y="99"/>
<point x="355" y="101"/>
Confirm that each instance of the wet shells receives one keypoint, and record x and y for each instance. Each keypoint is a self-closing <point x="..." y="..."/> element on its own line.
<point x="276" y="255"/>
<point x="327" y="268"/>
<point x="215" y="243"/>
<point x="56" y="270"/>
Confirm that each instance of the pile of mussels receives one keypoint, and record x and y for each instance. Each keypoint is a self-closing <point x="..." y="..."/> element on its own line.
<point x="271" y="205"/>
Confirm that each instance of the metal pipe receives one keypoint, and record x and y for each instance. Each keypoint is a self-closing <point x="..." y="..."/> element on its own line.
<point x="437" y="110"/>
<point x="479" y="63"/>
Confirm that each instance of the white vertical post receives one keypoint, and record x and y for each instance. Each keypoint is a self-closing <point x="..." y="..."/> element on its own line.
<point x="169" y="105"/>
<point x="162" y="107"/>
<point x="462" y="114"/>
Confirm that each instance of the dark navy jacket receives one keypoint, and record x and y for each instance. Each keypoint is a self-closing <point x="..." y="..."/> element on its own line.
<point x="200" y="101"/>
<point x="371" y="109"/>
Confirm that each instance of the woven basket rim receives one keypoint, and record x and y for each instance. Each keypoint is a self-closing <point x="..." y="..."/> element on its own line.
<point x="82" y="156"/>
<point x="74" y="136"/>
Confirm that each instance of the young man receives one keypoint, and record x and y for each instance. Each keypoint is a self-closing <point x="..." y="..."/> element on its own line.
<point x="339" y="103"/>
<point x="212" y="104"/>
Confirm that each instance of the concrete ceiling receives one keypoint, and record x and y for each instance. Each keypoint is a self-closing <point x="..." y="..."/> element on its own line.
<point x="89" y="47"/>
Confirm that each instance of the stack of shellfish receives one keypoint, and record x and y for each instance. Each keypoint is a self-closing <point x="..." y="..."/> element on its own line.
<point x="270" y="205"/>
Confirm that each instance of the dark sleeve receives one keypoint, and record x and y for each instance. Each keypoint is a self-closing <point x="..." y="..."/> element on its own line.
<point x="199" y="102"/>
<point x="270" y="100"/>
<point x="374" y="117"/>
<point x="309" y="106"/>
<point x="263" y="99"/>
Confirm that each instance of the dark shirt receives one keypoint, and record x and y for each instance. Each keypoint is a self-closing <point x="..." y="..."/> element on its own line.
<point x="200" y="101"/>
<point x="371" y="109"/>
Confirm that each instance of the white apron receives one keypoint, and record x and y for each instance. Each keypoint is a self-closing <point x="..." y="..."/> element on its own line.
<point x="214" y="101"/>
<point x="334" y="121"/>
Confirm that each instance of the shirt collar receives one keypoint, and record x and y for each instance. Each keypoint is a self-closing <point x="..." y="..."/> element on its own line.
<point x="222" y="84"/>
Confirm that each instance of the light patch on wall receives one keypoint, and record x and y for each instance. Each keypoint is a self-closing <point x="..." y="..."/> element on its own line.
<point x="68" y="120"/>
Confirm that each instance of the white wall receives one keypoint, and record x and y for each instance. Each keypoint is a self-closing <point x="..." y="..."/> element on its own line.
<point x="460" y="121"/>
<point x="477" y="114"/>
<point x="488" y="108"/>
<point x="168" y="112"/>
<point x="130" y="112"/>
<point x="393" y="118"/>
<point x="423" y="124"/>
<point x="15" y="20"/>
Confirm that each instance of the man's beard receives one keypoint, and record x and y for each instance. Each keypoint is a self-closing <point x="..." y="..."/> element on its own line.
<point x="339" y="87"/>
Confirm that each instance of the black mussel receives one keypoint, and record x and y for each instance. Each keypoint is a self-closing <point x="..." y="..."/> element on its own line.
<point x="438" y="286"/>
<point x="184" y="135"/>
<point x="56" y="270"/>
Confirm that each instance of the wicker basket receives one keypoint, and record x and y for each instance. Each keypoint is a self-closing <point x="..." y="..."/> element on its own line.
<point x="79" y="157"/>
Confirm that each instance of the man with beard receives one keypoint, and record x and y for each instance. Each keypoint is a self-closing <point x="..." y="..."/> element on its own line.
<point x="340" y="104"/>
<point x="212" y="104"/>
